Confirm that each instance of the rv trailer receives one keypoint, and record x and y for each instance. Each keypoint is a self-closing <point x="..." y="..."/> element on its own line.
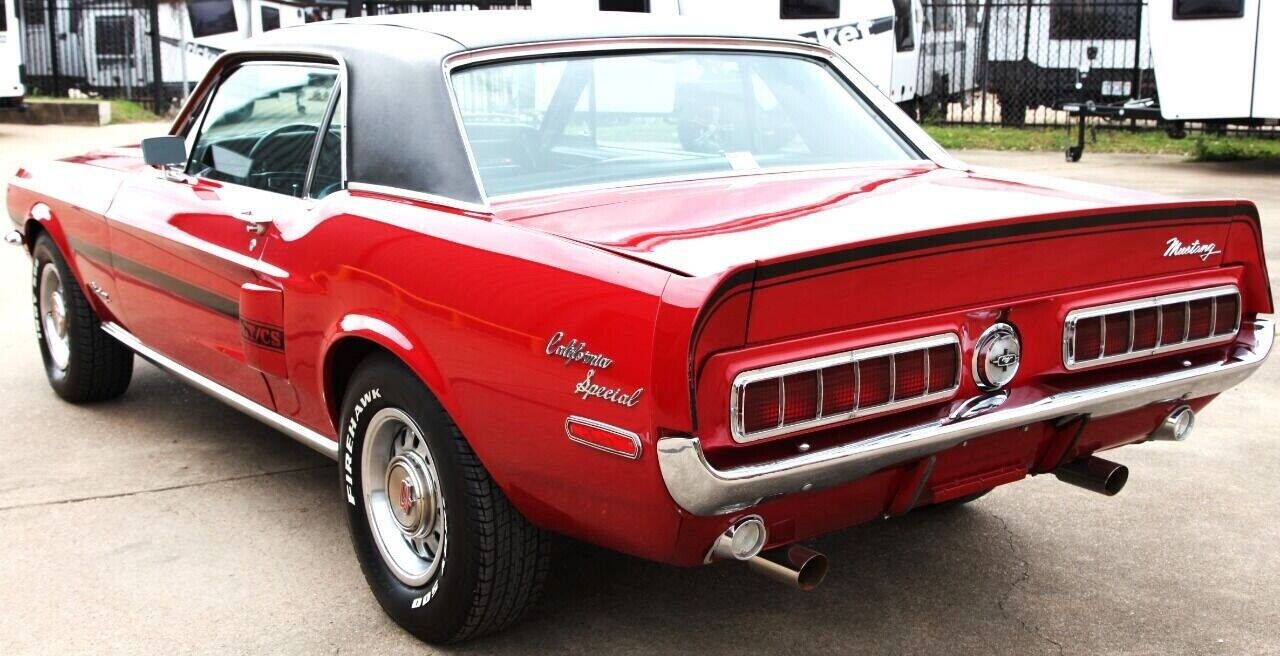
<point x="11" y="89"/>
<point x="951" y="38"/>
<point x="106" y="44"/>
<point x="878" y="36"/>
<point x="1051" y="52"/>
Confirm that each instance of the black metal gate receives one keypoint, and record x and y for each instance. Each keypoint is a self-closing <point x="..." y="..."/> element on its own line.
<point x="1015" y="62"/>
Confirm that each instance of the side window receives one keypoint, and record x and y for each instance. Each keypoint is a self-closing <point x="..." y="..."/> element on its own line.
<point x="4" y="16"/>
<point x="1192" y="9"/>
<point x="328" y="174"/>
<point x="638" y="6"/>
<point x="903" y="31"/>
<point x="262" y="124"/>
<point x="270" y="19"/>
<point x="810" y="9"/>
<point x="210" y="17"/>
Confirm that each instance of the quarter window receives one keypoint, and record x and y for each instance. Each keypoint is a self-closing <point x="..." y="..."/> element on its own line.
<point x="811" y="8"/>
<point x="1192" y="9"/>
<point x="328" y="172"/>
<point x="261" y="127"/>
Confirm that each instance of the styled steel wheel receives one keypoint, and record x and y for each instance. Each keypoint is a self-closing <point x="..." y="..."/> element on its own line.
<point x="83" y="363"/>
<point x="444" y="552"/>
<point x="52" y="306"/>
<point x="402" y="496"/>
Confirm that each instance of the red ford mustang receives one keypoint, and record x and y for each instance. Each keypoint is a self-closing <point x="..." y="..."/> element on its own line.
<point x="688" y="297"/>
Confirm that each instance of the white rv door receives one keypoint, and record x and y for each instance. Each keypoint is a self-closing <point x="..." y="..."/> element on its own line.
<point x="11" y="90"/>
<point x="1203" y="51"/>
<point x="1266" y="79"/>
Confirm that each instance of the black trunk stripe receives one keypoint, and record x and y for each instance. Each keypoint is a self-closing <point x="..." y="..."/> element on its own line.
<point x="191" y="293"/>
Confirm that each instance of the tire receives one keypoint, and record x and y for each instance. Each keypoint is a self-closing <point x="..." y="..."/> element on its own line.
<point x="480" y="564"/>
<point x="83" y="363"/>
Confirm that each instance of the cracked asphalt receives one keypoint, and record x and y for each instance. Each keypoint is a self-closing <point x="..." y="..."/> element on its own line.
<point x="165" y="522"/>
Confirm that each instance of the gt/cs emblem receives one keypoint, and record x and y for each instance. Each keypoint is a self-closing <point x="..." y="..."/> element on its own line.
<point x="996" y="357"/>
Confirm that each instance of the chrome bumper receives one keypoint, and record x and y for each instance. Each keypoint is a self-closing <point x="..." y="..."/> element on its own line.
<point x="701" y="489"/>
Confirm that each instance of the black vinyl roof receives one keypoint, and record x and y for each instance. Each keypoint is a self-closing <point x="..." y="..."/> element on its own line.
<point x="401" y="127"/>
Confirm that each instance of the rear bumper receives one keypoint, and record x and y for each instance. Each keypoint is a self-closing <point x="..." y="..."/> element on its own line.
<point x="701" y="489"/>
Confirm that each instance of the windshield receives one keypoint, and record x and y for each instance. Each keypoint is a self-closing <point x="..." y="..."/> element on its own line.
<point x="552" y="123"/>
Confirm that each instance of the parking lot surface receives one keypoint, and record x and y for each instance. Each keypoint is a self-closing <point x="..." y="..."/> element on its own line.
<point x="165" y="522"/>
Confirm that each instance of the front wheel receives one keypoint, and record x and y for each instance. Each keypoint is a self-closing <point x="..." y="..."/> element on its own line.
<point x="443" y="550"/>
<point x="83" y="363"/>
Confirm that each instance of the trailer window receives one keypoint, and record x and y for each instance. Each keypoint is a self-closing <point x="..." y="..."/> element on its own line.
<point x="573" y="121"/>
<point x="210" y="17"/>
<point x="903" y="30"/>
<point x="114" y="36"/>
<point x="638" y="6"/>
<point x="1094" y="19"/>
<point x="811" y="9"/>
<point x="1195" y="9"/>
<point x="4" y="16"/>
<point x="270" y="19"/>
<point x="32" y="12"/>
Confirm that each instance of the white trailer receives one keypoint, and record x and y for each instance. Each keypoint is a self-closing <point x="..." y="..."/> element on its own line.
<point x="1051" y="52"/>
<point x="11" y="89"/>
<point x="951" y="38"/>
<point x="1217" y="60"/>
<point x="878" y="36"/>
<point x="107" y="44"/>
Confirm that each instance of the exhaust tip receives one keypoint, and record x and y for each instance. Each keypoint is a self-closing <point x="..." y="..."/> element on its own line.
<point x="1094" y="474"/>
<point x="1177" y="426"/>
<point x="743" y="540"/>
<point x="799" y="567"/>
<point x="812" y="572"/>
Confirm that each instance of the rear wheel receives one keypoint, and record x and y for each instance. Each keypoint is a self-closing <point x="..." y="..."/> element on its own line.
<point x="83" y="363"/>
<point x="443" y="550"/>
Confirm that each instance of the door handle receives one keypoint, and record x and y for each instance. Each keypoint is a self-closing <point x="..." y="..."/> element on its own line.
<point x="253" y="225"/>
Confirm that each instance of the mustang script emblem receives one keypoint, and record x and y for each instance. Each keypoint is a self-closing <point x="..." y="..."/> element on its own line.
<point x="1175" y="248"/>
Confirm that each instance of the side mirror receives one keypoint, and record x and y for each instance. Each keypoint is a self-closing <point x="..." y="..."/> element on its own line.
<point x="164" y="151"/>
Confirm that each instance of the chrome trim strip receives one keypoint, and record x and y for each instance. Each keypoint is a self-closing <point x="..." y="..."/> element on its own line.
<point x="781" y="371"/>
<point x="1212" y="293"/>
<point x="306" y="436"/>
<point x="608" y="428"/>
<point x="703" y="490"/>
<point x="410" y="194"/>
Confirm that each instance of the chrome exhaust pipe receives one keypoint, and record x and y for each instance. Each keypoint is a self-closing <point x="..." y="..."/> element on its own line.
<point x="799" y="567"/>
<point x="1095" y="474"/>
<point x="1177" y="426"/>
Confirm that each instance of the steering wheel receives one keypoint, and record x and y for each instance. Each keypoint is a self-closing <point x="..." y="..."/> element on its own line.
<point x="268" y="137"/>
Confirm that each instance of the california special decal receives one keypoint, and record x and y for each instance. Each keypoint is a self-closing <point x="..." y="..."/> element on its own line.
<point x="574" y="351"/>
<point x="1176" y="248"/>
<point x="843" y="35"/>
<point x="262" y="335"/>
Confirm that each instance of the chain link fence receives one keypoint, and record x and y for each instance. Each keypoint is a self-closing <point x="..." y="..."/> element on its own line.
<point x="103" y="47"/>
<point x="1016" y="62"/>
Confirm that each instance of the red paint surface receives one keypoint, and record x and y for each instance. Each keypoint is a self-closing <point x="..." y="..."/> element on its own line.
<point x="469" y="301"/>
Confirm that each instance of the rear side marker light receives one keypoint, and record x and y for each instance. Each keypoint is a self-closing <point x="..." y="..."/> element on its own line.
<point x="835" y="388"/>
<point x="1150" y="326"/>
<point x="602" y="436"/>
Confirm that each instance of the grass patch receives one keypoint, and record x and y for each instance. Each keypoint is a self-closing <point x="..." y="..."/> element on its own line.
<point x="1203" y="148"/>
<point x="122" y="111"/>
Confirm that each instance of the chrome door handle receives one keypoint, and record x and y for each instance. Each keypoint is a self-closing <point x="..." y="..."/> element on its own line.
<point x="252" y="224"/>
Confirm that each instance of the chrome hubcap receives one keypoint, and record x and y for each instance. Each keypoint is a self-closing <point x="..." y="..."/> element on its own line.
<point x="402" y="497"/>
<point x="52" y="306"/>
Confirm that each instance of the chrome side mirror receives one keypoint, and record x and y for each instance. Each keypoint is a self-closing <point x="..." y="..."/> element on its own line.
<point x="168" y="153"/>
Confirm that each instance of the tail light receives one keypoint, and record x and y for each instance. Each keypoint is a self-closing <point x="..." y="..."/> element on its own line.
<point x="1150" y="326"/>
<point x="835" y="388"/>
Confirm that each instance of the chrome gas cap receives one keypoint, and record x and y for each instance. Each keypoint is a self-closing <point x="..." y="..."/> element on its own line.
<point x="996" y="357"/>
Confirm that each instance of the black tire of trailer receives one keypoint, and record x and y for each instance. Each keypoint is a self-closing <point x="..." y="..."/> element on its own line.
<point x="494" y="562"/>
<point x="98" y="368"/>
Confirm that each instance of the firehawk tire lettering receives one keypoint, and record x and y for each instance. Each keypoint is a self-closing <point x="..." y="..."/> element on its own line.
<point x="349" y="443"/>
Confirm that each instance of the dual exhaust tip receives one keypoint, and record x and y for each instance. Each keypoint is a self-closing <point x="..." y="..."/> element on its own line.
<point x="796" y="566"/>
<point x="804" y="569"/>
<point x="1106" y="477"/>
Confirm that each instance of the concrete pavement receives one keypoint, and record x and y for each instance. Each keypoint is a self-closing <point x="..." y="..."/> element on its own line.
<point x="166" y="522"/>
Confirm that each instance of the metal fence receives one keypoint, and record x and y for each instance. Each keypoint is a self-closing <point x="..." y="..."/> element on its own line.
<point x="1015" y="62"/>
<point x="104" y="47"/>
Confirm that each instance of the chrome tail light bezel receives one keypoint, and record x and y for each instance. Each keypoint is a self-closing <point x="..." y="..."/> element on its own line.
<point x="817" y="364"/>
<point x="1152" y="302"/>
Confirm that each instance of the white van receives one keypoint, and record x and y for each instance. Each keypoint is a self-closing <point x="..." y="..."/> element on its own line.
<point x="11" y="89"/>
<point x="878" y="36"/>
<point x="1217" y="60"/>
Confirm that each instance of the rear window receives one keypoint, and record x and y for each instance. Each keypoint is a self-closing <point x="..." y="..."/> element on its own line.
<point x="552" y="123"/>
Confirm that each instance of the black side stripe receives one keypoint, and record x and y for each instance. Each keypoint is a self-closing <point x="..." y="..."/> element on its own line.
<point x="191" y="293"/>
